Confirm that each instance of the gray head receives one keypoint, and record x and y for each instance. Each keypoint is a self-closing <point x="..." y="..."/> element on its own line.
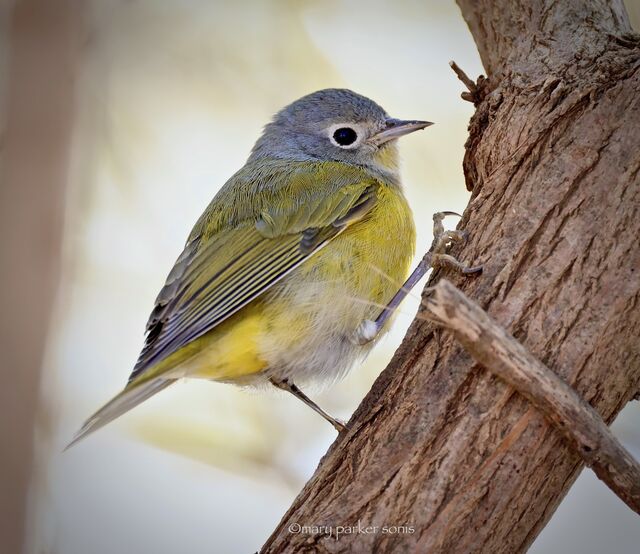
<point x="335" y="125"/>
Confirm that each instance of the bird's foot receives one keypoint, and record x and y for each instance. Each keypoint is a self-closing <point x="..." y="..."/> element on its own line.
<point x="442" y="239"/>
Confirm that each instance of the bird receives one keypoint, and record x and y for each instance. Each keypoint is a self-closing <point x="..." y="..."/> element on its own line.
<point x="299" y="247"/>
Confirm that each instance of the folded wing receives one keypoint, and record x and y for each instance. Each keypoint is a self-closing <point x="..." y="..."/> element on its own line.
<point x="223" y="269"/>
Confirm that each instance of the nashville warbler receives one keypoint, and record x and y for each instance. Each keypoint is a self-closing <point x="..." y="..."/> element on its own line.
<point x="296" y="250"/>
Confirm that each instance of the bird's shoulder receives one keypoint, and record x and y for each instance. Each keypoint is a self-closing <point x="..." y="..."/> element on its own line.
<point x="278" y="190"/>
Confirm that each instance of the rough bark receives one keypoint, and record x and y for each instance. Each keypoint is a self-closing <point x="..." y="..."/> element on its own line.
<point x="553" y="162"/>
<point x="35" y="142"/>
<point x="497" y="351"/>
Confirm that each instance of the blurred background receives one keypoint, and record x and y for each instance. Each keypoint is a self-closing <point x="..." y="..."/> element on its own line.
<point x="119" y="120"/>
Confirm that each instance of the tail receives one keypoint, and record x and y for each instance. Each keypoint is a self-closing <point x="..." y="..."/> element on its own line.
<point x="129" y="398"/>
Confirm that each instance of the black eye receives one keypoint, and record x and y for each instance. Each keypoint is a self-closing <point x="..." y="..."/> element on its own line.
<point x="345" y="136"/>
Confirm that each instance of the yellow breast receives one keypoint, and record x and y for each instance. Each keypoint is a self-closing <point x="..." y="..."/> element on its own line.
<point x="370" y="260"/>
<point x="306" y="319"/>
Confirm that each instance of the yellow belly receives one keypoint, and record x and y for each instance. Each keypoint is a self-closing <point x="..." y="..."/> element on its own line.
<point x="308" y="314"/>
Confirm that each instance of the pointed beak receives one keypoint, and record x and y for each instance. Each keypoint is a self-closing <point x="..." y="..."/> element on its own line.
<point x="397" y="128"/>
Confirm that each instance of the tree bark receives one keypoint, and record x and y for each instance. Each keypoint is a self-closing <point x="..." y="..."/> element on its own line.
<point x="439" y="446"/>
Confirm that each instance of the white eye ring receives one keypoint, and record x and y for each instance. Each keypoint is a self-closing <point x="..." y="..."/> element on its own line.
<point x="357" y="129"/>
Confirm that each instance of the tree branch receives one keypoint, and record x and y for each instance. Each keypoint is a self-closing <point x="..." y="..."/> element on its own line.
<point x="494" y="348"/>
<point x="472" y="94"/>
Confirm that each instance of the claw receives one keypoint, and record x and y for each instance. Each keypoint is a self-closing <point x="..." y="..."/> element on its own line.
<point x="472" y="270"/>
<point x="339" y="425"/>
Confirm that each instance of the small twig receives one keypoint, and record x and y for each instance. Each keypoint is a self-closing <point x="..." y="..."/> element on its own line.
<point x="494" y="348"/>
<point x="468" y="82"/>
<point x="471" y="96"/>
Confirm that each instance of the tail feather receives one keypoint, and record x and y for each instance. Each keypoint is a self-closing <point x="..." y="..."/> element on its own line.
<point x="129" y="398"/>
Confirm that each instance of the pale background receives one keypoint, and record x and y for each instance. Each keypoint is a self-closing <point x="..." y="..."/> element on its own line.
<point x="172" y="94"/>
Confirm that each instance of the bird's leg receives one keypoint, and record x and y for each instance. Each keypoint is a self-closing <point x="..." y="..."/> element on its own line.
<point x="435" y="257"/>
<point x="287" y="385"/>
